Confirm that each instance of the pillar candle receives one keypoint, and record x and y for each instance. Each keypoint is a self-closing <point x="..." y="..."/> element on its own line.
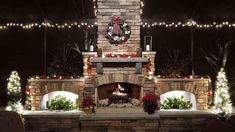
<point x="147" y="47"/>
<point x="91" y="48"/>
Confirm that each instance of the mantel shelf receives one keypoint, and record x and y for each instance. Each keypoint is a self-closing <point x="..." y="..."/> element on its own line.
<point x="137" y="60"/>
<point x="122" y="60"/>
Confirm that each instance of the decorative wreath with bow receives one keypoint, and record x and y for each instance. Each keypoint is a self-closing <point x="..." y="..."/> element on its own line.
<point x="118" y="31"/>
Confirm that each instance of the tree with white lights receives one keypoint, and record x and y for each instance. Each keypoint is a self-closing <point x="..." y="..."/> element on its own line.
<point x="14" y="92"/>
<point x="222" y="102"/>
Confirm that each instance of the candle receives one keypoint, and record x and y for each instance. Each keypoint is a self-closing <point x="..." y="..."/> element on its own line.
<point x="91" y="48"/>
<point x="147" y="47"/>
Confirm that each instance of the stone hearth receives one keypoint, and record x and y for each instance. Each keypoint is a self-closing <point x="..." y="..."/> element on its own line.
<point x="163" y="121"/>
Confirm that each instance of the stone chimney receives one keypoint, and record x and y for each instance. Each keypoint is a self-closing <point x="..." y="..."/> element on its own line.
<point x="129" y="11"/>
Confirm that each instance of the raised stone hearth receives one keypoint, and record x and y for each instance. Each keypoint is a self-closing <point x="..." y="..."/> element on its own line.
<point x="163" y="121"/>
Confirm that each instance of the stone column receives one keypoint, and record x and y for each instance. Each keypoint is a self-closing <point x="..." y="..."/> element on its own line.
<point x="128" y="10"/>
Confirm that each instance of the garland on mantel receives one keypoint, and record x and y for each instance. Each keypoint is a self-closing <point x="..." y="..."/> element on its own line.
<point x="110" y="55"/>
<point x="183" y="76"/>
<point x="121" y="55"/>
<point x="59" y="77"/>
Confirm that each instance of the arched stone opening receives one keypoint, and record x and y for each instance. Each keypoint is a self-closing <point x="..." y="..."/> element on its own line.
<point x="188" y="96"/>
<point x="68" y="95"/>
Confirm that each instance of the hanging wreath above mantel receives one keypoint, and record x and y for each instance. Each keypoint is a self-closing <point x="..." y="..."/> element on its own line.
<point x="118" y="31"/>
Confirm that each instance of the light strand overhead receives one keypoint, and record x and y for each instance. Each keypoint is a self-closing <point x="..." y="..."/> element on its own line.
<point x="49" y="25"/>
<point x="190" y="23"/>
<point x="85" y="25"/>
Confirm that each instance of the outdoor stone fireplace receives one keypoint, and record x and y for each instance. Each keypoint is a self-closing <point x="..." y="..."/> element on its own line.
<point x="119" y="63"/>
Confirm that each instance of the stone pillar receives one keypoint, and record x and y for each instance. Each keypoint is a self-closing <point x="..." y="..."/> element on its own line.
<point x="129" y="11"/>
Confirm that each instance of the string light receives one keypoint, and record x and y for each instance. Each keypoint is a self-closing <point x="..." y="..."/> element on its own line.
<point x="95" y="7"/>
<point x="141" y="6"/>
<point x="190" y="23"/>
<point x="48" y="25"/>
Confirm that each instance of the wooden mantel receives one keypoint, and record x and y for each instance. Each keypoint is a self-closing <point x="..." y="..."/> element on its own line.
<point x="138" y="62"/>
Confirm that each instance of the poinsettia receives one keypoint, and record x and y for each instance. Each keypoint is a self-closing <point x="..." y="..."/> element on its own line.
<point x="150" y="97"/>
<point x="87" y="102"/>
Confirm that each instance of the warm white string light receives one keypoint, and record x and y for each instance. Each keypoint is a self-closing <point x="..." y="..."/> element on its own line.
<point x="189" y="23"/>
<point x="141" y="6"/>
<point x="49" y="25"/>
<point x="95" y="7"/>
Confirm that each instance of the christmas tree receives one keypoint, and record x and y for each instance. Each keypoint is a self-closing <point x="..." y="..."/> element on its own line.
<point x="222" y="102"/>
<point x="14" y="92"/>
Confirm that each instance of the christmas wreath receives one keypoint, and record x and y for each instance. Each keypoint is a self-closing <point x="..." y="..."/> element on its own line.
<point x="118" y="31"/>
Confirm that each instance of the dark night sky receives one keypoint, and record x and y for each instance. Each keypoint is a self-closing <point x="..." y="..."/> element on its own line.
<point x="22" y="50"/>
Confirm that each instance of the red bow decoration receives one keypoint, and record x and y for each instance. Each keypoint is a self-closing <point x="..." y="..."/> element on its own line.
<point x="116" y="22"/>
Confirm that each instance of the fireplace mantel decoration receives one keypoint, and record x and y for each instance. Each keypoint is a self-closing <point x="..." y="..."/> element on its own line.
<point x="118" y="31"/>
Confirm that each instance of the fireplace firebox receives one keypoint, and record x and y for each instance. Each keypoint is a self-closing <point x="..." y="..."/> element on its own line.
<point x="119" y="94"/>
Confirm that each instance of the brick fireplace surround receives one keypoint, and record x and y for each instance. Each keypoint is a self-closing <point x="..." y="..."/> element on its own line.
<point x="129" y="73"/>
<point x="129" y="11"/>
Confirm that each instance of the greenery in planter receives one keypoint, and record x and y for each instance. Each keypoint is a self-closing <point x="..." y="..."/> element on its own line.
<point x="61" y="103"/>
<point x="176" y="103"/>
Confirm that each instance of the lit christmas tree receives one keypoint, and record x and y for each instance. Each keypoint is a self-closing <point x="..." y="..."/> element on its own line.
<point x="14" y="92"/>
<point x="222" y="102"/>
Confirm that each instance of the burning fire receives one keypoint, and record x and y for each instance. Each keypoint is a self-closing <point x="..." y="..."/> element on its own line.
<point x="119" y="91"/>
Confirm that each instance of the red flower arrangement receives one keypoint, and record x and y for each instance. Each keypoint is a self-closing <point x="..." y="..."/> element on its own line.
<point x="150" y="102"/>
<point x="87" y="102"/>
<point x="150" y="97"/>
<point x="88" y="105"/>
